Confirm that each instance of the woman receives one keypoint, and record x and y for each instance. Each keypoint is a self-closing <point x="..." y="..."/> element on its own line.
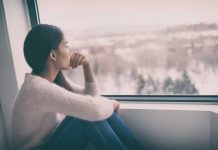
<point x="46" y="92"/>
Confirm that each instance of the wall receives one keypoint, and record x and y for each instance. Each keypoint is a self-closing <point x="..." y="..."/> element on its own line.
<point x="8" y="86"/>
<point x="14" y="27"/>
<point x="170" y="129"/>
<point x="3" y="142"/>
<point x="214" y="132"/>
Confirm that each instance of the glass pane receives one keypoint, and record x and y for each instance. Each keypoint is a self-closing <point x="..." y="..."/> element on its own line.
<point x="142" y="46"/>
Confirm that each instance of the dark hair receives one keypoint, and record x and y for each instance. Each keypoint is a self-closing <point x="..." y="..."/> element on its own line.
<point x="38" y="44"/>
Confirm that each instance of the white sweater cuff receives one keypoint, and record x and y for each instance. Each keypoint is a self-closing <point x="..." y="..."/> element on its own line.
<point x="91" y="88"/>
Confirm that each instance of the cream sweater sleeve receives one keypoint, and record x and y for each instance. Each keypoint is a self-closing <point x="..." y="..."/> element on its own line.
<point x="88" y="89"/>
<point x="50" y="97"/>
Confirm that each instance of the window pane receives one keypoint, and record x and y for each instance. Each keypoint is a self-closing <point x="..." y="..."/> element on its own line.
<point x="142" y="46"/>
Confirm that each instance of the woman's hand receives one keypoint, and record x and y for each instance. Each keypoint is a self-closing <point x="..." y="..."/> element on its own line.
<point x="78" y="59"/>
<point x="116" y="105"/>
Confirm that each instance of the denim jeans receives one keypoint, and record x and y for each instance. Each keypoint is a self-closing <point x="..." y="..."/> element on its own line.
<point x="109" y="134"/>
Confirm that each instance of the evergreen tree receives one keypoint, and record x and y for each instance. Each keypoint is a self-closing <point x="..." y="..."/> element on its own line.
<point x="140" y="84"/>
<point x="168" y="86"/>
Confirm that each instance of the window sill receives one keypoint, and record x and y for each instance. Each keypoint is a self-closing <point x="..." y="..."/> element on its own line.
<point x="167" y="106"/>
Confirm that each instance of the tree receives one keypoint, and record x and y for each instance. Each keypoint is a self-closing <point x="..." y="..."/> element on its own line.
<point x="168" y="85"/>
<point x="140" y="84"/>
<point x="184" y="85"/>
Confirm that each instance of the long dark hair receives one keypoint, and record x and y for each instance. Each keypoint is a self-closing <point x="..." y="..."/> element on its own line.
<point x="38" y="44"/>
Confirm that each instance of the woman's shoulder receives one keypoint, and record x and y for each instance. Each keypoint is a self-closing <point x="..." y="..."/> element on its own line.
<point x="40" y="85"/>
<point x="35" y="81"/>
<point x="27" y="90"/>
<point x="34" y="87"/>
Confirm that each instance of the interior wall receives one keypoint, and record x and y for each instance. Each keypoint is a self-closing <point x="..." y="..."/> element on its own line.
<point x="8" y="86"/>
<point x="171" y="129"/>
<point x="3" y="142"/>
<point x="18" y="25"/>
<point x="214" y="132"/>
<point x="14" y="27"/>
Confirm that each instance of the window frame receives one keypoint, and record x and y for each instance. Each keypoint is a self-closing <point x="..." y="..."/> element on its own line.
<point x="202" y="99"/>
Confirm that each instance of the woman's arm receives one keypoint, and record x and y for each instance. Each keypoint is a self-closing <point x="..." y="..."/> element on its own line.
<point x="88" y="89"/>
<point x="78" y="59"/>
<point x="88" y="73"/>
<point x="50" y="97"/>
<point x="71" y="86"/>
<point x="91" y="86"/>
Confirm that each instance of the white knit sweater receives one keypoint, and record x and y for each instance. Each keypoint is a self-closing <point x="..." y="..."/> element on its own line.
<point x="39" y="102"/>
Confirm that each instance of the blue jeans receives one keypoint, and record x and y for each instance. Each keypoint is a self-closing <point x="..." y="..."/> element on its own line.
<point x="109" y="134"/>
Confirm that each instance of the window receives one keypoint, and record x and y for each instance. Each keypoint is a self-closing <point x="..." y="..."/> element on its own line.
<point x="142" y="47"/>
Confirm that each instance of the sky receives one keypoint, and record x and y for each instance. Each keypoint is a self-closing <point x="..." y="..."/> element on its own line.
<point x="85" y="14"/>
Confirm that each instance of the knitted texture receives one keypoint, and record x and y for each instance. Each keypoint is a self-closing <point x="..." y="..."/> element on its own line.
<point x="39" y="102"/>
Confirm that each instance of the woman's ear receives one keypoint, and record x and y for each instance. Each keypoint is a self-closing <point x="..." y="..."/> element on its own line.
<point x="52" y="55"/>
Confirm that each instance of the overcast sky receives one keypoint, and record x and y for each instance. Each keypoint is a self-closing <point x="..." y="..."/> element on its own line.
<point x="84" y="14"/>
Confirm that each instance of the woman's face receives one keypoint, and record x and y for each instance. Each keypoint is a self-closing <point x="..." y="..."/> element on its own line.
<point x="63" y="55"/>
